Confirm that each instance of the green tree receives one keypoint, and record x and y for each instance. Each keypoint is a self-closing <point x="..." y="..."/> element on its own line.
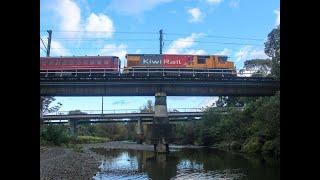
<point x="229" y="101"/>
<point x="45" y="102"/>
<point x="272" y="49"/>
<point x="261" y="67"/>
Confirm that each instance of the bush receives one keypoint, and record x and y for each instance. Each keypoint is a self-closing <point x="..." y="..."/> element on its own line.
<point x="54" y="135"/>
<point x="252" y="146"/>
<point x="271" y="147"/>
<point x="91" y="139"/>
<point x="235" y="146"/>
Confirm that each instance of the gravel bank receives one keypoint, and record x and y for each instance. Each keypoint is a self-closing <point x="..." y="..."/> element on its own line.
<point x="61" y="163"/>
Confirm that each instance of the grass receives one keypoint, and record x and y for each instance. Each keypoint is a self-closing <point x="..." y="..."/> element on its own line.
<point x="90" y="139"/>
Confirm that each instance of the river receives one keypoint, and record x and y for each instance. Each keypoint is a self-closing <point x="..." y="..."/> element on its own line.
<point x="184" y="164"/>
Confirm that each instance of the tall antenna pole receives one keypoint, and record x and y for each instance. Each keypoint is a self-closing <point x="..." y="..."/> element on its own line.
<point x="161" y="39"/>
<point x="49" y="42"/>
<point x="102" y="106"/>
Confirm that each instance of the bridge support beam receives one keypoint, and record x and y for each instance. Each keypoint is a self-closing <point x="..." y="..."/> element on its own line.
<point x="160" y="129"/>
<point x="139" y="132"/>
<point x="73" y="127"/>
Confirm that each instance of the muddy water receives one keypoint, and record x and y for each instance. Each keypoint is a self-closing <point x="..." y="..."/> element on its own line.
<point x="185" y="164"/>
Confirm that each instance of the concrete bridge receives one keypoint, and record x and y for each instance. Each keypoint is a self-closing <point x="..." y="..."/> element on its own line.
<point x="160" y="130"/>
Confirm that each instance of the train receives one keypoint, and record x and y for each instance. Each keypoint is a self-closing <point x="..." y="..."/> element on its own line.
<point x="140" y="65"/>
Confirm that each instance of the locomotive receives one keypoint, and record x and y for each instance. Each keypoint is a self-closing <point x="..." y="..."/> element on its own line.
<point x="139" y="65"/>
<point x="179" y="64"/>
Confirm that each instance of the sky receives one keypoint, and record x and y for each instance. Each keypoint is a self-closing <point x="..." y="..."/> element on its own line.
<point x="236" y="28"/>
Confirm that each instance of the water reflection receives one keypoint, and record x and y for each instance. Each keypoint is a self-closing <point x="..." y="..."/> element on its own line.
<point x="184" y="164"/>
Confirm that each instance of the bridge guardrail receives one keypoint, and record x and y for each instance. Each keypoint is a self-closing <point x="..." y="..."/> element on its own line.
<point x="150" y="70"/>
<point x="127" y="111"/>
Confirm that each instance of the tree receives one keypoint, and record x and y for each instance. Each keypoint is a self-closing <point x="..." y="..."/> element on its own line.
<point x="148" y="108"/>
<point x="45" y="102"/>
<point x="229" y="101"/>
<point x="45" y="108"/>
<point x="272" y="49"/>
<point x="261" y="67"/>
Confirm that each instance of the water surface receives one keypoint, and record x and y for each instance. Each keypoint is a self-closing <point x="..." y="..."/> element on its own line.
<point x="185" y="164"/>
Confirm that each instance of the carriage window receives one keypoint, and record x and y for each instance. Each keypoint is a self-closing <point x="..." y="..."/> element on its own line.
<point x="202" y="59"/>
<point x="105" y="61"/>
<point x="51" y="63"/>
<point x="99" y="62"/>
<point x="91" y="62"/>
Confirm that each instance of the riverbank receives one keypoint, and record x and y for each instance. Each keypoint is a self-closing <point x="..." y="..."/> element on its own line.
<point x="67" y="163"/>
<point x="83" y="163"/>
<point x="64" y="163"/>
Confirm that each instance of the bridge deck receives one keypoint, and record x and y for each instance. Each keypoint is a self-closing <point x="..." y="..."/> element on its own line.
<point x="124" y="86"/>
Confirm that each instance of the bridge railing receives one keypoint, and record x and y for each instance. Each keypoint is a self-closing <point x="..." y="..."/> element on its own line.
<point x="127" y="111"/>
<point x="148" y="71"/>
<point x="121" y="111"/>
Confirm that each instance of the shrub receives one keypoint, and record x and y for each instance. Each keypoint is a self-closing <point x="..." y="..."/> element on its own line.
<point x="54" y="135"/>
<point x="90" y="139"/>
<point x="271" y="147"/>
<point x="235" y="146"/>
<point x="252" y="146"/>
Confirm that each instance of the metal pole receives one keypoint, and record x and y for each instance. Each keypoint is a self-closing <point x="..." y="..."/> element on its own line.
<point x="161" y="43"/>
<point x="49" y="42"/>
<point x="102" y="106"/>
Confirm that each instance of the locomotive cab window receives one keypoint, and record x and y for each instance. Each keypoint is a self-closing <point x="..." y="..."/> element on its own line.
<point x="202" y="59"/>
<point x="223" y="58"/>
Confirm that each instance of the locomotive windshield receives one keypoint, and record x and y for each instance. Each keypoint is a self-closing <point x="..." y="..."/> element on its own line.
<point x="223" y="58"/>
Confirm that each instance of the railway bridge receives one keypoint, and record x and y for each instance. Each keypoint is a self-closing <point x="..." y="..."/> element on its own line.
<point x="158" y="86"/>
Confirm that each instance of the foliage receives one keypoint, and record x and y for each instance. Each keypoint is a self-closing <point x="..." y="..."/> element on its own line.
<point x="45" y="102"/>
<point x="256" y="129"/>
<point x="229" y="101"/>
<point x="54" y="135"/>
<point x="261" y="67"/>
<point x="272" y="49"/>
<point x="115" y="132"/>
<point x="90" y="139"/>
<point x="148" y="108"/>
<point x="252" y="146"/>
<point x="58" y="135"/>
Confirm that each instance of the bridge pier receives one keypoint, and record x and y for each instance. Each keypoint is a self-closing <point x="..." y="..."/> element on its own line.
<point x="139" y="132"/>
<point x="160" y="129"/>
<point x="73" y="127"/>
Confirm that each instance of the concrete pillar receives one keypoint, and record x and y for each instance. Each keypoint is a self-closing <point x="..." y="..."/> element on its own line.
<point x="41" y="112"/>
<point x="73" y="126"/>
<point x="160" y="122"/>
<point x="41" y="117"/>
<point x="140" y="131"/>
